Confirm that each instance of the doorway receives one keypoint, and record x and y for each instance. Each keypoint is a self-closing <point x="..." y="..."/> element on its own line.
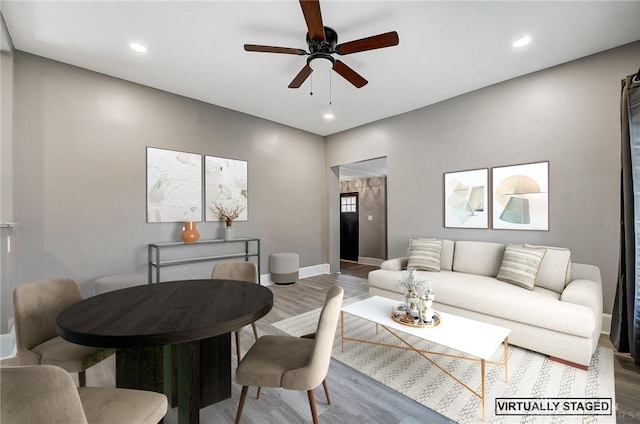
<point x="367" y="181"/>
<point x="349" y="227"/>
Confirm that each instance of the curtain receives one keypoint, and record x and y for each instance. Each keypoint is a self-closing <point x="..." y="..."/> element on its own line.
<point x="625" y="324"/>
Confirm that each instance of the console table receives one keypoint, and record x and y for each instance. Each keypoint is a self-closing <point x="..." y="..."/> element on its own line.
<point x="155" y="261"/>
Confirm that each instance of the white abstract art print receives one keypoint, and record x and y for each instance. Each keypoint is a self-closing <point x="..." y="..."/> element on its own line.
<point x="226" y="185"/>
<point x="521" y="197"/>
<point x="465" y="199"/>
<point x="174" y="186"/>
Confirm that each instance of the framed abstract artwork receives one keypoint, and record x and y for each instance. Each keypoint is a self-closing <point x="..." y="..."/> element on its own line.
<point x="226" y="186"/>
<point x="521" y="197"/>
<point x="174" y="186"/>
<point x="465" y="199"/>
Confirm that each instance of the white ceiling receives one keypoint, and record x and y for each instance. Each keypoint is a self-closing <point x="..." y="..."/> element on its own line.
<point x="364" y="169"/>
<point x="446" y="48"/>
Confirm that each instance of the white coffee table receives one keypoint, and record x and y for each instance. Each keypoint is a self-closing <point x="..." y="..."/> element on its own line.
<point x="465" y="335"/>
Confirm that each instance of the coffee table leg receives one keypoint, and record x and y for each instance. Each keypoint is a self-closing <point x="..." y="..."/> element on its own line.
<point x="506" y="358"/>
<point x="482" y="372"/>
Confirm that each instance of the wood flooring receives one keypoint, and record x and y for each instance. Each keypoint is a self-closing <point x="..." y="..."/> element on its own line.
<point x="355" y="397"/>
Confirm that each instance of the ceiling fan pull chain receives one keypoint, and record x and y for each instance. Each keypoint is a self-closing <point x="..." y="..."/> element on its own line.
<point x="311" y="92"/>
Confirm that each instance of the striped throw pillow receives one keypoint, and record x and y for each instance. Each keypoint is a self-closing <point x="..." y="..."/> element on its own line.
<point x="520" y="265"/>
<point x="424" y="254"/>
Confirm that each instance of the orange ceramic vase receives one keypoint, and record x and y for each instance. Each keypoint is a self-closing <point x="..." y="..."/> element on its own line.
<point x="190" y="233"/>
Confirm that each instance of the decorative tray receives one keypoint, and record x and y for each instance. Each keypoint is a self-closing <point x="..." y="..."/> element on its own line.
<point x="408" y="320"/>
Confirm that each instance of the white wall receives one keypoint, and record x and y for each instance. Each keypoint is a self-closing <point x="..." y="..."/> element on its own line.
<point x="567" y="115"/>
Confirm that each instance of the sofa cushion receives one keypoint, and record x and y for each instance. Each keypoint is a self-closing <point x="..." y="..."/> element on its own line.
<point x="555" y="269"/>
<point x="446" y="254"/>
<point x="520" y="265"/>
<point x="424" y="254"/>
<point x="478" y="257"/>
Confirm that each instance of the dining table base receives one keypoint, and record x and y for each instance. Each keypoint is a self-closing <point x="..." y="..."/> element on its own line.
<point x="192" y="375"/>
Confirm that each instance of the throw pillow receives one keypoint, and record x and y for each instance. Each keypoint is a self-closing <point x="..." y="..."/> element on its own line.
<point x="424" y="254"/>
<point x="520" y="265"/>
<point x="554" y="272"/>
<point x="408" y="253"/>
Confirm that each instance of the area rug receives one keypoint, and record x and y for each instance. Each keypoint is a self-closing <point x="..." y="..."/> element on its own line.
<point x="531" y="375"/>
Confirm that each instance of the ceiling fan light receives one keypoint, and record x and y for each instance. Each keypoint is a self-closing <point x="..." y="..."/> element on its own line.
<point x="321" y="63"/>
<point x="328" y="116"/>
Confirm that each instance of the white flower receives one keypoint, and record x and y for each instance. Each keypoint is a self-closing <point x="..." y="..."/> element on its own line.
<point x="410" y="282"/>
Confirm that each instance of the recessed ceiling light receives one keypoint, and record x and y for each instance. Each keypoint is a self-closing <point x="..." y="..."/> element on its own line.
<point x="328" y="116"/>
<point x="522" y="41"/>
<point x="137" y="47"/>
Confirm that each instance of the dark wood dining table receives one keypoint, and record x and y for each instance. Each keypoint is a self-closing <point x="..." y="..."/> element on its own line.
<point x="171" y="337"/>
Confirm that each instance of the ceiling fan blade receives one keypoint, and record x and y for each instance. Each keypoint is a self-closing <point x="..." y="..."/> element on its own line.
<point x="301" y="77"/>
<point x="349" y="74"/>
<point x="272" y="49"/>
<point x="313" y="17"/>
<point x="379" y="41"/>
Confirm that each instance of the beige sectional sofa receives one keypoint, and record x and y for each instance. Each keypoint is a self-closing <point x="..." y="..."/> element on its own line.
<point x="561" y="316"/>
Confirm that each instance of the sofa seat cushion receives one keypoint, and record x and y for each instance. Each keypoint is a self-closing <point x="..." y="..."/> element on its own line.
<point x="539" y="307"/>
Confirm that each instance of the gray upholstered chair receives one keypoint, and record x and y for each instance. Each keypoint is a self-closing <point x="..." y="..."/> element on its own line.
<point x="47" y="394"/>
<point x="36" y="307"/>
<point x="238" y="271"/>
<point x="293" y="363"/>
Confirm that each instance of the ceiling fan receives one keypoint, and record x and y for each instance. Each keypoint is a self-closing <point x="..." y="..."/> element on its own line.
<point x="323" y="42"/>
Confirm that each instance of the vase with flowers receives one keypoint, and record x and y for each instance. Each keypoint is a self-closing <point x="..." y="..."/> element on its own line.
<point x="412" y="288"/>
<point x="227" y="214"/>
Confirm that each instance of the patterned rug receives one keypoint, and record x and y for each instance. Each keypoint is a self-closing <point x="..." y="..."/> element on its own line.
<point x="531" y="375"/>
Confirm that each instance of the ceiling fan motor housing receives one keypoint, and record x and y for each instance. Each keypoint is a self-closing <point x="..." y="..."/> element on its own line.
<point x="328" y="45"/>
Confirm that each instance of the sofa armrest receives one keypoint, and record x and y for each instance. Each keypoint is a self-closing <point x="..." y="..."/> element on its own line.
<point x="587" y="293"/>
<point x="585" y="272"/>
<point x="397" y="264"/>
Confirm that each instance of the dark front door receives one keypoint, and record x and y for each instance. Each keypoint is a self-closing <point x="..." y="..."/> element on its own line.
<point x="349" y="242"/>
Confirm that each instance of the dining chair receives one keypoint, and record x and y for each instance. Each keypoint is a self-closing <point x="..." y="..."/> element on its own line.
<point x="36" y="307"/>
<point x="238" y="271"/>
<point x="294" y="363"/>
<point x="47" y="394"/>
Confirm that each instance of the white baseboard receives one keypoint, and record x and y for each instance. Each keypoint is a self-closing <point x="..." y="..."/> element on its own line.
<point x="304" y="272"/>
<point x="606" y="324"/>
<point x="370" y="261"/>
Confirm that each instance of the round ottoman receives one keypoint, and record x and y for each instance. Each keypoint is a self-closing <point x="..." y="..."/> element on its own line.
<point x="118" y="281"/>
<point x="283" y="268"/>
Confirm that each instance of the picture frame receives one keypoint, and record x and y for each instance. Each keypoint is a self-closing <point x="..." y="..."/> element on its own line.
<point x="174" y="186"/>
<point x="466" y="199"/>
<point x="520" y="197"/>
<point x="226" y="183"/>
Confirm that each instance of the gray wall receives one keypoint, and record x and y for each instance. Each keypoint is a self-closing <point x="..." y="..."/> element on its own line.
<point x="568" y="115"/>
<point x="79" y="183"/>
<point x="6" y="166"/>
<point x="372" y="202"/>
